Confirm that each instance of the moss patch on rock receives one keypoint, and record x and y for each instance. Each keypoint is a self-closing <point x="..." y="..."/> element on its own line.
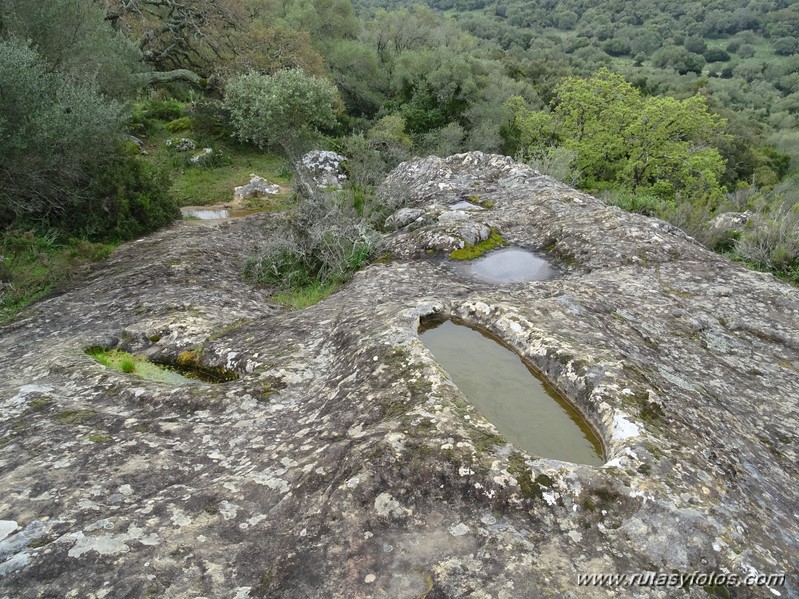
<point x="470" y="252"/>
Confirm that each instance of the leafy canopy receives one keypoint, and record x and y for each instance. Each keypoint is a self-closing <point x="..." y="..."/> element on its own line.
<point x="646" y="144"/>
<point x="281" y="110"/>
<point x="52" y="131"/>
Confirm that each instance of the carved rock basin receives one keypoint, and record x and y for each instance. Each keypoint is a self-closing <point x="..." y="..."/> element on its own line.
<point x="526" y="410"/>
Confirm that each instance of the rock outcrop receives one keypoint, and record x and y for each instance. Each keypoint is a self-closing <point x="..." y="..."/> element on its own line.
<point x="344" y="463"/>
<point x="258" y="186"/>
<point x="319" y="170"/>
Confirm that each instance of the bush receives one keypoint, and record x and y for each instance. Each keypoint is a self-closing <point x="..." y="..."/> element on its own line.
<point x="324" y="242"/>
<point x="647" y="204"/>
<point x="616" y="47"/>
<point x="772" y="242"/>
<point x="786" y="46"/>
<point x="54" y="132"/>
<point x="716" y="55"/>
<point x="285" y="110"/>
<point x="556" y="162"/>
<point x="210" y="119"/>
<point x="181" y="124"/>
<point x="126" y="199"/>
<point x="695" y="44"/>
<point x="74" y="39"/>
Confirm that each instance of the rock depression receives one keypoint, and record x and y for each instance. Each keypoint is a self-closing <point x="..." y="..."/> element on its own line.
<point x="344" y="463"/>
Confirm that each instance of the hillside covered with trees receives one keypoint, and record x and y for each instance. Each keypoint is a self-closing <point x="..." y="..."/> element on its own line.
<point x="681" y="110"/>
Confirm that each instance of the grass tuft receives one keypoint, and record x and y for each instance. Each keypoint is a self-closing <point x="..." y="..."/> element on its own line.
<point x="306" y="296"/>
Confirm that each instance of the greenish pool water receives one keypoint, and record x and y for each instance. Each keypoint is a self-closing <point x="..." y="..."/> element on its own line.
<point x="526" y="411"/>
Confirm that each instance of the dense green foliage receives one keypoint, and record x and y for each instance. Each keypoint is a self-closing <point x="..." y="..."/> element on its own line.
<point x="51" y="131"/>
<point x="643" y="144"/>
<point x="284" y="110"/>
<point x="65" y="73"/>
<point x="72" y="38"/>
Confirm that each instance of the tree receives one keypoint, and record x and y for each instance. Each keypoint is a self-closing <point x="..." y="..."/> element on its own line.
<point x="666" y="144"/>
<point x="52" y="132"/>
<point x="60" y="159"/>
<point x="695" y="44"/>
<point x="285" y="110"/>
<point x="73" y="38"/>
<point x="716" y="55"/>
<point x="679" y="59"/>
<point x="180" y="35"/>
<point x="268" y="49"/>
<point x="646" y="144"/>
<point x="435" y="87"/>
<point x="645" y="42"/>
<point x="786" y="46"/>
<point x="616" y="47"/>
<point x="355" y="68"/>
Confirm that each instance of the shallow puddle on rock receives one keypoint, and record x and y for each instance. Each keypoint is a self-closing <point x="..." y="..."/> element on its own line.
<point x="205" y="214"/>
<point x="526" y="411"/>
<point x="508" y="265"/>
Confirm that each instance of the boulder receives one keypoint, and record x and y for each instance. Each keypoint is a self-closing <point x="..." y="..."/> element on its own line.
<point x="201" y="156"/>
<point x="320" y="170"/>
<point x="181" y="144"/>
<point x="734" y="222"/>
<point x="258" y="186"/>
<point x="402" y="218"/>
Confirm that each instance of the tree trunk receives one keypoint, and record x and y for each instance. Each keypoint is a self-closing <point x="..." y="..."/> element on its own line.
<point x="156" y="77"/>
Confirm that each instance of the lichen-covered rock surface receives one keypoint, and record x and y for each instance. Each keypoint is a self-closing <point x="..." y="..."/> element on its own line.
<point x="343" y="462"/>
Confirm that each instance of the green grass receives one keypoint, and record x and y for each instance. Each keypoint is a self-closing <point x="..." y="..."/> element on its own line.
<point x="233" y="164"/>
<point x="186" y="368"/>
<point x="130" y="363"/>
<point x="200" y="186"/>
<point x="305" y="296"/>
<point x="33" y="265"/>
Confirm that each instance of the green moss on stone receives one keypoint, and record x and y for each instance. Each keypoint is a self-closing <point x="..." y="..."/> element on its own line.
<point x="470" y="252"/>
<point x="38" y="405"/>
<point x="484" y="440"/>
<point x="517" y="466"/>
<point x="75" y="416"/>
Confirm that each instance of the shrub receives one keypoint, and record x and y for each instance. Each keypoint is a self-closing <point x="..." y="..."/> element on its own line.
<point x="127" y="198"/>
<point x="180" y="124"/>
<point x="772" y="242"/>
<point x="210" y="119"/>
<point x="647" y="204"/>
<point x="324" y="242"/>
<point x="556" y="162"/>
<point x="54" y="133"/>
<point x="716" y="55"/>
<point x="285" y="110"/>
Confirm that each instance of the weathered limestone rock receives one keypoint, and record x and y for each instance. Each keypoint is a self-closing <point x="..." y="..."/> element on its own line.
<point x="202" y="156"/>
<point x="730" y="221"/>
<point x="320" y="170"/>
<point x="258" y="186"/>
<point x="344" y="463"/>
<point x="181" y="144"/>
